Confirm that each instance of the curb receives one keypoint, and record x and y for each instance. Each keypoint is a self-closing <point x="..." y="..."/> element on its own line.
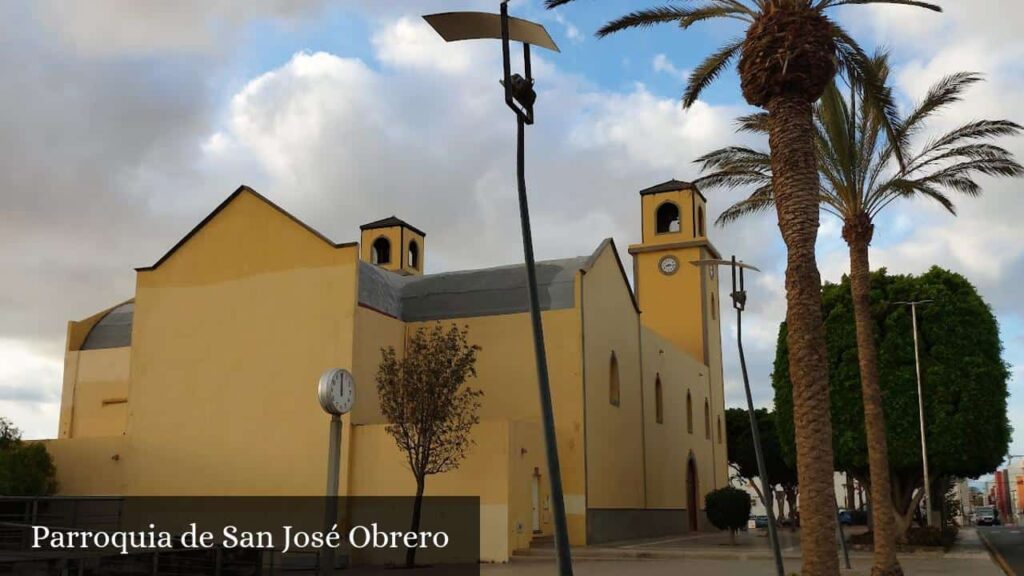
<point x="996" y="556"/>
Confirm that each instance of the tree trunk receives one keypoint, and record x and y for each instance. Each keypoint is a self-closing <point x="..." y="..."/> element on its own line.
<point x="795" y="182"/>
<point x="857" y="232"/>
<point x="791" y="500"/>
<point x="417" y="507"/>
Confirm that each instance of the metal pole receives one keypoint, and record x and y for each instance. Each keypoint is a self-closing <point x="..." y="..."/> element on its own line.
<point x="920" y="409"/>
<point x="739" y="298"/>
<point x="842" y="539"/>
<point x="547" y="412"/>
<point x="331" y="500"/>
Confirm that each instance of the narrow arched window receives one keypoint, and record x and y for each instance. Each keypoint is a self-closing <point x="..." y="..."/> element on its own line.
<point x="613" y="381"/>
<point x="380" y="253"/>
<point x="659" y="402"/>
<point x="707" y="420"/>
<point x="414" y="255"/>
<point x="667" y="218"/>
<point x="700" y="221"/>
<point x="714" y="307"/>
<point x="719" y="429"/>
<point x="689" y="413"/>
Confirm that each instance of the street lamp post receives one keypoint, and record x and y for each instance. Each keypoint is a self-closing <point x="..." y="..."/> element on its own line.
<point x="739" y="302"/>
<point x="520" y="98"/>
<point x="920" y="409"/>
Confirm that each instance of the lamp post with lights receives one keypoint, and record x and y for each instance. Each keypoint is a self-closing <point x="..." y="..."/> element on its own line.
<point x="739" y="302"/>
<point x="520" y="97"/>
<point x="920" y="408"/>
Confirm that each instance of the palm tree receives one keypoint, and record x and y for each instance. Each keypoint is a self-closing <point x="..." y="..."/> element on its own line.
<point x="790" y="52"/>
<point x="860" y="177"/>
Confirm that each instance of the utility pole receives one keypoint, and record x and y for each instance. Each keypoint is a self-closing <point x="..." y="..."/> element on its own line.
<point x="920" y="410"/>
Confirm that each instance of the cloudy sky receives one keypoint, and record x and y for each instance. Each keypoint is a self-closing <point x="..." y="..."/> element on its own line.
<point x="123" y="123"/>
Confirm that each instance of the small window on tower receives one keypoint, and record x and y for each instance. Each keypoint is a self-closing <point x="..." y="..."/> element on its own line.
<point x="714" y="307"/>
<point x="659" y="402"/>
<point x="667" y="218"/>
<point x="380" y="253"/>
<point x="707" y="420"/>
<point x="700" y="221"/>
<point x="414" y="255"/>
<point x="689" y="413"/>
<point x="613" y="381"/>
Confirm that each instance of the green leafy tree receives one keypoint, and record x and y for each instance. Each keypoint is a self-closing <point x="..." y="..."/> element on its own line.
<point x="964" y="382"/>
<point x="860" y="177"/>
<point x="743" y="459"/>
<point x="728" y="508"/>
<point x="429" y="409"/>
<point x="786" y="57"/>
<point x="26" y="468"/>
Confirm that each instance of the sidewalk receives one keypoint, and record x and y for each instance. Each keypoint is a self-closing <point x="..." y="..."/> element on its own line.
<point x="712" y="554"/>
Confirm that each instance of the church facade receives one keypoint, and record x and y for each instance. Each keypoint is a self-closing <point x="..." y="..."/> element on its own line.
<point x="204" y="382"/>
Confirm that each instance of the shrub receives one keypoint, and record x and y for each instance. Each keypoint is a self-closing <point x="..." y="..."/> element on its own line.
<point x="728" y="509"/>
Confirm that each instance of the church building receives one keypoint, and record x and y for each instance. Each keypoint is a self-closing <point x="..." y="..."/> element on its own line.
<point x="204" y="383"/>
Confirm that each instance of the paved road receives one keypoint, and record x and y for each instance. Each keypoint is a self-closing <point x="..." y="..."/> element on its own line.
<point x="1009" y="543"/>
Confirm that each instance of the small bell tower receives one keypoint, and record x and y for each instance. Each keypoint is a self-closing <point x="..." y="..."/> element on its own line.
<point x="677" y="300"/>
<point x="394" y="245"/>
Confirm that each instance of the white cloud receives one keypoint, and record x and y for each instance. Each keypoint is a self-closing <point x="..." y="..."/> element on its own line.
<point x="662" y="64"/>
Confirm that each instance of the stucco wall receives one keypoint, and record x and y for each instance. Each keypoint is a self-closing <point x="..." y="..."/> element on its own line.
<point x="669" y="444"/>
<point x="95" y="392"/>
<point x="615" y="456"/>
<point x="230" y="335"/>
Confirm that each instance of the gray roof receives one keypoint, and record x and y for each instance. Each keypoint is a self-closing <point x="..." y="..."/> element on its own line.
<point x="391" y="221"/>
<point x="114" y="330"/>
<point x="463" y="294"/>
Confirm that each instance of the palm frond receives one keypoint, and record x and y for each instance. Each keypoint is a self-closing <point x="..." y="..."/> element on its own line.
<point x="756" y="123"/>
<point x="686" y="17"/>
<point x="708" y="70"/>
<point x="946" y="91"/>
<point x="876" y="94"/>
<point x="761" y="200"/>
<point x="823" y="4"/>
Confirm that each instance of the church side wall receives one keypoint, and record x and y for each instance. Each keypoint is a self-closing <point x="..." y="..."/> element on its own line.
<point x="614" y="433"/>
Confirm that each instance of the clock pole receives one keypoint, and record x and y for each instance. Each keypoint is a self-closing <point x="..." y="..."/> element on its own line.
<point x="336" y="393"/>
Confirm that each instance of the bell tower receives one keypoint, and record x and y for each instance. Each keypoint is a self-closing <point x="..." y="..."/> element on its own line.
<point x="394" y="245"/>
<point x="678" y="300"/>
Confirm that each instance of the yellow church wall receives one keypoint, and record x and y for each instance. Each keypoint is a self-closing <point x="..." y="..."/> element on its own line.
<point x="378" y="468"/>
<point x="95" y="393"/>
<point x="714" y="308"/>
<point x="614" y="434"/>
<point x="89" y="466"/>
<point x="230" y="335"/>
<point x="375" y="331"/>
<point x="669" y="444"/>
<point x="507" y="375"/>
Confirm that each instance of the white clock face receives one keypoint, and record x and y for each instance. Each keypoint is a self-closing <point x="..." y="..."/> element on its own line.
<point x="336" y="391"/>
<point x="668" y="265"/>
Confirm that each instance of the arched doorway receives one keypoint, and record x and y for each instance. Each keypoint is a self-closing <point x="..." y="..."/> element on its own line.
<point x="692" y="502"/>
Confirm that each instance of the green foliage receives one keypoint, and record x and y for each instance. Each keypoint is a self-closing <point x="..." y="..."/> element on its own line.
<point x="741" y="446"/>
<point x="26" y="469"/>
<point x="964" y="377"/>
<point x="728" y="508"/>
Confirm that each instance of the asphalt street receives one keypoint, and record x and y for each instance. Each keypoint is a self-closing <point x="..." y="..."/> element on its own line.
<point x="1008" y="542"/>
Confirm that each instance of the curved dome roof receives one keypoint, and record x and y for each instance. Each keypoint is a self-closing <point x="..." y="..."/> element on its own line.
<point x="114" y="330"/>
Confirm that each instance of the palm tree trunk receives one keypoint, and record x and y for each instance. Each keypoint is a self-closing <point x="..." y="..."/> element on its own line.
<point x="795" y="182"/>
<point x="857" y="231"/>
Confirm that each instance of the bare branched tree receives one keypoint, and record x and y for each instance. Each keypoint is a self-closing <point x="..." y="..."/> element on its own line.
<point x="430" y="410"/>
